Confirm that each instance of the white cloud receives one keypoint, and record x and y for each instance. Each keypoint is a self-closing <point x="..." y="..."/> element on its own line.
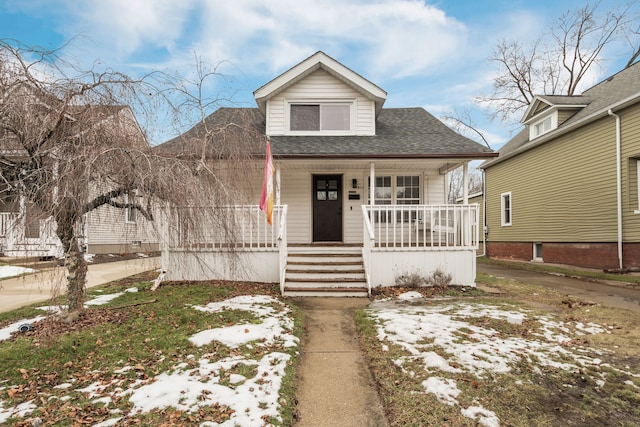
<point x="387" y="38"/>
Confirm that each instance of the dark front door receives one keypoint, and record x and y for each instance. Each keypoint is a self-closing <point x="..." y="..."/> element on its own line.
<point x="327" y="208"/>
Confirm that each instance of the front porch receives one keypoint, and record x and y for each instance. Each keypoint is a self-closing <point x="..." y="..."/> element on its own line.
<point x="236" y="243"/>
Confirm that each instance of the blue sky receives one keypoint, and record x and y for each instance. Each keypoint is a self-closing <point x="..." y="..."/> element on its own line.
<point x="430" y="54"/>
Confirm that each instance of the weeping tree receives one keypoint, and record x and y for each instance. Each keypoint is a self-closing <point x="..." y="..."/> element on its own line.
<point x="71" y="144"/>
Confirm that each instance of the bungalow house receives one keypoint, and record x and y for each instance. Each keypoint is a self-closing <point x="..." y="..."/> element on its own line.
<point x="565" y="189"/>
<point x="360" y="190"/>
<point x="25" y="231"/>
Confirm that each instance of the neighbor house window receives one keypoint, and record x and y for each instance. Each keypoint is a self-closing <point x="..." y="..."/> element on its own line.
<point x="638" y="185"/>
<point x="537" y="251"/>
<point x="320" y="117"/>
<point x="506" y="208"/>
<point x="130" y="212"/>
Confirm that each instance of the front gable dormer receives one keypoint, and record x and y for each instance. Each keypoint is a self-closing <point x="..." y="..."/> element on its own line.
<point x="547" y="112"/>
<point x="320" y="96"/>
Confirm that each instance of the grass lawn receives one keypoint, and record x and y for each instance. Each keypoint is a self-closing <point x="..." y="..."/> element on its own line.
<point x="523" y="357"/>
<point x="221" y="353"/>
<point x="186" y="354"/>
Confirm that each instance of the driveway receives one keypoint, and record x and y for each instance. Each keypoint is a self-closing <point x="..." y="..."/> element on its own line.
<point x="20" y="291"/>
<point x="612" y="295"/>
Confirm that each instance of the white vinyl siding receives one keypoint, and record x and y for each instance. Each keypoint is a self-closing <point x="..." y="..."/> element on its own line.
<point x="107" y="226"/>
<point x="320" y="87"/>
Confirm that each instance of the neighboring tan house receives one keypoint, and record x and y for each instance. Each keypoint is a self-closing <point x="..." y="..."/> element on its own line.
<point x="360" y="190"/>
<point x="565" y="189"/>
<point x="27" y="232"/>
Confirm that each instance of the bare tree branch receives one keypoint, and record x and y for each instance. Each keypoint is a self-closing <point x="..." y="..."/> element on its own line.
<point x="558" y="61"/>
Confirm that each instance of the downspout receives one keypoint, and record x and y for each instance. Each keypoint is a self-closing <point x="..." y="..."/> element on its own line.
<point x="618" y="186"/>
<point x="484" y="216"/>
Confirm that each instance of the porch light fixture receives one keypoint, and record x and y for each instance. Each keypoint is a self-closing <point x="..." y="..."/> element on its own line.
<point x="354" y="183"/>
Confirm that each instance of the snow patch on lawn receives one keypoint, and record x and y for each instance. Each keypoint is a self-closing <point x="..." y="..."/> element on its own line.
<point x="272" y="328"/>
<point x="5" y="333"/>
<point x="253" y="397"/>
<point x="456" y="338"/>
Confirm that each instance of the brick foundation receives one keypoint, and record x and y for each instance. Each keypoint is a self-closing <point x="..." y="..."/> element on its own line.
<point x="591" y="255"/>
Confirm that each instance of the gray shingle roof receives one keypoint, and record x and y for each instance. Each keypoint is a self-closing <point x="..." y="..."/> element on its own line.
<point x="565" y="99"/>
<point x="400" y="132"/>
<point x="224" y="132"/>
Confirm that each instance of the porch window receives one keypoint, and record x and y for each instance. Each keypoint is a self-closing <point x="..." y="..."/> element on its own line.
<point x="398" y="190"/>
<point x="320" y="117"/>
<point x="506" y="208"/>
<point x="407" y="193"/>
<point x="383" y="195"/>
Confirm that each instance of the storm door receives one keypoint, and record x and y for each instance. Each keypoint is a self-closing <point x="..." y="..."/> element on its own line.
<point x="327" y="208"/>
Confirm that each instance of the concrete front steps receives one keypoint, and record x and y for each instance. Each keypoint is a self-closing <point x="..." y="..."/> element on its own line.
<point x="325" y="271"/>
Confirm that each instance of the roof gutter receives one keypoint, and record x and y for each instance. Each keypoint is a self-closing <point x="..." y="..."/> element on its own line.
<point x="468" y="156"/>
<point x="618" y="185"/>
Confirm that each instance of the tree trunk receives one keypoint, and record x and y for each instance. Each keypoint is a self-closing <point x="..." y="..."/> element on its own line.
<point x="75" y="264"/>
<point x="76" y="276"/>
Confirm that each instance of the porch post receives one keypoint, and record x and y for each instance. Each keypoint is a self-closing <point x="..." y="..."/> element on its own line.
<point x="277" y="184"/>
<point x="372" y="183"/>
<point x="465" y="183"/>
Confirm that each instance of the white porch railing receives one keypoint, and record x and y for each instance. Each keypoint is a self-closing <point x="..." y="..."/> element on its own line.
<point x="435" y="227"/>
<point x="227" y="227"/>
<point x="282" y="245"/>
<point x="368" y="241"/>
<point x="6" y="221"/>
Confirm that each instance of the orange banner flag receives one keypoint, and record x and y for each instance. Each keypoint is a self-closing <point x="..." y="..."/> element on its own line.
<point x="266" y="197"/>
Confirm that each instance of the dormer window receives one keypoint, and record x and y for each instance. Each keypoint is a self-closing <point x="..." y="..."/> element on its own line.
<point x="320" y="117"/>
<point x="542" y="126"/>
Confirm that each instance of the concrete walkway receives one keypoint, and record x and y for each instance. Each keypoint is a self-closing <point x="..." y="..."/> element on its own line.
<point x="20" y="291"/>
<point x="335" y="386"/>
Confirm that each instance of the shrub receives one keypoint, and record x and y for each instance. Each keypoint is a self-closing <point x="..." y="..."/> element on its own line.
<point x="410" y="280"/>
<point x="439" y="278"/>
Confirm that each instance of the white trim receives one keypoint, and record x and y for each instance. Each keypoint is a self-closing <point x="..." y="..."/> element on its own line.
<point x="503" y="222"/>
